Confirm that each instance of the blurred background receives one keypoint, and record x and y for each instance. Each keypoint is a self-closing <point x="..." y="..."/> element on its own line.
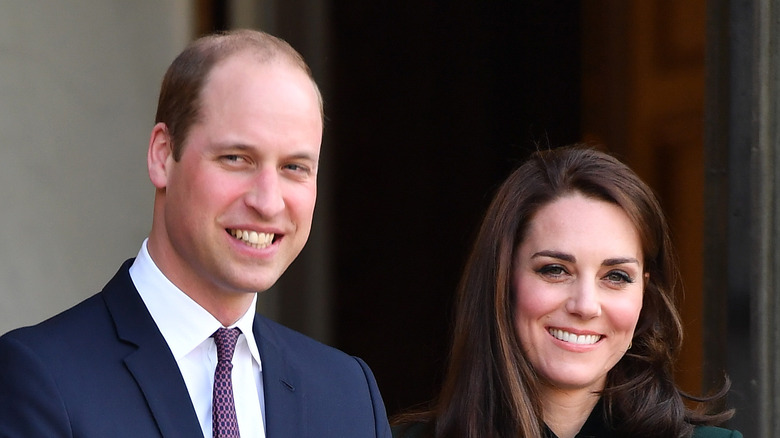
<point x="429" y="105"/>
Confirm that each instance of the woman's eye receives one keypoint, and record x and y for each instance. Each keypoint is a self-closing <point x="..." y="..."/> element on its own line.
<point x="619" y="277"/>
<point x="552" y="270"/>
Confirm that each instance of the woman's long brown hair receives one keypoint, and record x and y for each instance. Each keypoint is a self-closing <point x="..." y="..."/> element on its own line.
<point x="490" y="388"/>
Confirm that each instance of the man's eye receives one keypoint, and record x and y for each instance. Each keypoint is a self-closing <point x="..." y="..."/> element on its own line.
<point x="234" y="160"/>
<point x="297" y="168"/>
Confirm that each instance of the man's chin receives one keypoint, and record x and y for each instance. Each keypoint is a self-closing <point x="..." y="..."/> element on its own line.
<point x="257" y="284"/>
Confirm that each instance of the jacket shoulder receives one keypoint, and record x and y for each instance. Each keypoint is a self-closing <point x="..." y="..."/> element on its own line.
<point x="339" y="390"/>
<point x="91" y="319"/>
<point x="715" y="432"/>
<point x="297" y="344"/>
<point x="53" y="332"/>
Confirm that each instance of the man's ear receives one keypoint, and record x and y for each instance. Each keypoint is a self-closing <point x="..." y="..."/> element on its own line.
<point x="159" y="158"/>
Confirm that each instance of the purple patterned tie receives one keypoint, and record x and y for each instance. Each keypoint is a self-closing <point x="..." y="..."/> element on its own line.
<point x="224" y="422"/>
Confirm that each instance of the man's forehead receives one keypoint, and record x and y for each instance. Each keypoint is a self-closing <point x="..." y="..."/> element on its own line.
<point x="244" y="61"/>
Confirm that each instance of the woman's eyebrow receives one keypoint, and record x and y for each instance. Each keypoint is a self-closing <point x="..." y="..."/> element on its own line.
<point x="619" y="261"/>
<point x="556" y="255"/>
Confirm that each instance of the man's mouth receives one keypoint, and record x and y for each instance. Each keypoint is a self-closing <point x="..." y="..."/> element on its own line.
<point x="253" y="238"/>
<point x="571" y="338"/>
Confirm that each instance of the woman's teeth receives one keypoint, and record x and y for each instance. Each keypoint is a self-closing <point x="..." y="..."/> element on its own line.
<point x="574" y="339"/>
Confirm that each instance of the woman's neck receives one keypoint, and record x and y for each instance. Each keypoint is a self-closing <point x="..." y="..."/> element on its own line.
<point x="566" y="411"/>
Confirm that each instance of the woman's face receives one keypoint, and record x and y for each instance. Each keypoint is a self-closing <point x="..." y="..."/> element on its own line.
<point x="578" y="282"/>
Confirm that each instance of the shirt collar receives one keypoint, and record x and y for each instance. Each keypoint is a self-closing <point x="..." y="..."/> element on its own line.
<point x="183" y="323"/>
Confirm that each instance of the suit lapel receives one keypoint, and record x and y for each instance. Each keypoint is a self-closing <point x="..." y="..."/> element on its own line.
<point x="151" y="364"/>
<point x="285" y="412"/>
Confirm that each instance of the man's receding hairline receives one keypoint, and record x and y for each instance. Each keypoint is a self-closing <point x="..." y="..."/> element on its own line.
<point x="262" y="56"/>
<point x="217" y="49"/>
<point x="274" y="56"/>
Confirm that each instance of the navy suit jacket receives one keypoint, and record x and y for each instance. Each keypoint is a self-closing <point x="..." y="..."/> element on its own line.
<point x="103" y="369"/>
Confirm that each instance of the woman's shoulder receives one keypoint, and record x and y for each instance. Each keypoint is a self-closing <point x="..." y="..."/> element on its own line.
<point x="420" y="430"/>
<point x="410" y="430"/>
<point x="715" y="432"/>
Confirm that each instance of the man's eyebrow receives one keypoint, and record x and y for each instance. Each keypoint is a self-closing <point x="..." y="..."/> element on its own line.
<point x="303" y="156"/>
<point x="227" y="146"/>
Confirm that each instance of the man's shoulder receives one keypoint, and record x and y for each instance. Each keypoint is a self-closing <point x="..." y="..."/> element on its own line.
<point x="333" y="381"/>
<point x="80" y="316"/>
<point x="715" y="432"/>
<point x="312" y="358"/>
<point x="88" y="319"/>
<point x="295" y="343"/>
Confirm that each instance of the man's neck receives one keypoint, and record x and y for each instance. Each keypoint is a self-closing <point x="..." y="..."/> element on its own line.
<point x="227" y="310"/>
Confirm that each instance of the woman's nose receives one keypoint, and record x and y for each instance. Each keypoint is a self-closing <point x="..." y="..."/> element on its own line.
<point x="584" y="300"/>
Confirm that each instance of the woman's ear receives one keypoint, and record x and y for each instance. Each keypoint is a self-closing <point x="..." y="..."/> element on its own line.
<point x="159" y="157"/>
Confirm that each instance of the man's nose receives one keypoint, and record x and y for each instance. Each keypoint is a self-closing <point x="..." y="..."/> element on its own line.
<point x="265" y="195"/>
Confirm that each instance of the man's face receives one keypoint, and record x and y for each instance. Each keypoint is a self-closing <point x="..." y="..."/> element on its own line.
<point x="237" y="207"/>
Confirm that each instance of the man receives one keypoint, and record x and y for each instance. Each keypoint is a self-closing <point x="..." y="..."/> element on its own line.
<point x="233" y="157"/>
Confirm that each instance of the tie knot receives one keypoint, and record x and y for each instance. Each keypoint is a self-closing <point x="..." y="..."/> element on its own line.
<point x="225" y="339"/>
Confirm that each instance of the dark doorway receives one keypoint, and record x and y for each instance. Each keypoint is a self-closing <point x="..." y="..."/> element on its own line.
<point x="432" y="103"/>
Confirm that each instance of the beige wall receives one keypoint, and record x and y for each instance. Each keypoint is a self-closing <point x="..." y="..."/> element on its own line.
<point x="78" y="87"/>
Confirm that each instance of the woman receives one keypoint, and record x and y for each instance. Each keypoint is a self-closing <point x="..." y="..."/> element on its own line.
<point x="565" y="324"/>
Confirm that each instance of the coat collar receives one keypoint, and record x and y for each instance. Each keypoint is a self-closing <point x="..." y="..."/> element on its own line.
<point x="151" y="363"/>
<point x="596" y="426"/>
<point x="284" y="409"/>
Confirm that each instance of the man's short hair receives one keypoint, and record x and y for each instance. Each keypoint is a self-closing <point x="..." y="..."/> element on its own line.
<point x="180" y="94"/>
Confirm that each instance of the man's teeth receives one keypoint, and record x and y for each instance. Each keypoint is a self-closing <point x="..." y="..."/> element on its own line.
<point x="574" y="339"/>
<point x="253" y="238"/>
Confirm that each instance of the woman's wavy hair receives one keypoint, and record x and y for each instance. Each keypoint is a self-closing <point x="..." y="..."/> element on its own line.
<point x="490" y="389"/>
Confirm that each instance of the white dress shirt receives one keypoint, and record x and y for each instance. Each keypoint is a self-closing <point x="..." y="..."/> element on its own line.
<point x="187" y="328"/>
